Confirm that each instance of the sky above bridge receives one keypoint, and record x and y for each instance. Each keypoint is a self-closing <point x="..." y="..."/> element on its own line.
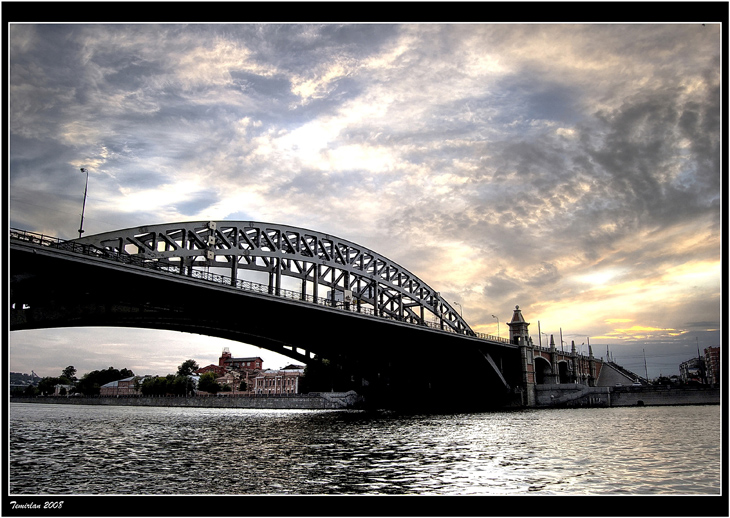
<point x="570" y="169"/>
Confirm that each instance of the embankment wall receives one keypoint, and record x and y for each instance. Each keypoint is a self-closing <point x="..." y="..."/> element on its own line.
<point x="664" y="395"/>
<point x="571" y="395"/>
<point x="314" y="401"/>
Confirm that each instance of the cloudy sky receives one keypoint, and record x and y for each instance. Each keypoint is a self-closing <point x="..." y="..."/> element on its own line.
<point x="573" y="169"/>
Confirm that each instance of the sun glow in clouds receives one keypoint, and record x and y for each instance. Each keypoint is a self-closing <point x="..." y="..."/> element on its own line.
<point x="551" y="166"/>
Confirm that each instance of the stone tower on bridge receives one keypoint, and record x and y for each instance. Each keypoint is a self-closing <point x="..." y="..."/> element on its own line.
<point x="518" y="328"/>
<point x="519" y="334"/>
<point x="548" y="366"/>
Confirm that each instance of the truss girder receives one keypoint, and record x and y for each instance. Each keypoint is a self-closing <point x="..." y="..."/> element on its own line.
<point x="311" y="256"/>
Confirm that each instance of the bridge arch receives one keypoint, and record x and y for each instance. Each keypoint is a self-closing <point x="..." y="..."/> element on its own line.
<point x="564" y="371"/>
<point x="358" y="278"/>
<point x="543" y="370"/>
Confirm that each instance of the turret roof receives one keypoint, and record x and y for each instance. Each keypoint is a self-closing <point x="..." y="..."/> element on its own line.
<point x="517" y="316"/>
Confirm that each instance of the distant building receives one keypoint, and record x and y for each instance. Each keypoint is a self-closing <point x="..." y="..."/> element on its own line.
<point x="239" y="364"/>
<point x="234" y="379"/>
<point x="215" y="369"/>
<point x="62" y="390"/>
<point x="283" y="381"/>
<point x="123" y="387"/>
<point x="692" y="371"/>
<point x="712" y="365"/>
<point x="226" y="363"/>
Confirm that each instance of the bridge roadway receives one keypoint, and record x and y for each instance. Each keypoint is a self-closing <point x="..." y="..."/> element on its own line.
<point x="56" y="283"/>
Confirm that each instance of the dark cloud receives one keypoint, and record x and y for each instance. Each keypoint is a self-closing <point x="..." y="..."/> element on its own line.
<point x="503" y="164"/>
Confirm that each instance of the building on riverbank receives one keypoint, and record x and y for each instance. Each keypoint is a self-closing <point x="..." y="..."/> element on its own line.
<point x="227" y="363"/>
<point x="124" y="387"/>
<point x="283" y="381"/>
<point x="712" y="365"/>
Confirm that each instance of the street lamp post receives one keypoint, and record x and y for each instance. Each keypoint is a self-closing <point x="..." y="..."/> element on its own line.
<point x="461" y="310"/>
<point x="498" y="336"/>
<point x="83" y="207"/>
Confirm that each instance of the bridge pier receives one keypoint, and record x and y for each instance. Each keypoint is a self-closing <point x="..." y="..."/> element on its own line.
<point x="542" y="367"/>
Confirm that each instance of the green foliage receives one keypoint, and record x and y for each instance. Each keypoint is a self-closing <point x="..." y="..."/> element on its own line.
<point x="181" y="385"/>
<point x="69" y="373"/>
<point x="207" y="383"/>
<point x="27" y="391"/>
<point x="155" y="386"/>
<point x="90" y="383"/>
<point x="47" y="385"/>
<point x="167" y="385"/>
<point x="187" y="368"/>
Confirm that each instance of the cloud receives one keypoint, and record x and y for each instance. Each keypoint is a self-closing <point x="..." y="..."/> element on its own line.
<point x="571" y="169"/>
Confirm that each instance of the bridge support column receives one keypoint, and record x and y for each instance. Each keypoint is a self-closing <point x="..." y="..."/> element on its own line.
<point x="359" y="295"/>
<point x="574" y="354"/>
<point x="529" y="397"/>
<point x="554" y="361"/>
<point x="591" y="367"/>
<point x="519" y="334"/>
<point x="278" y="276"/>
<point x="315" y="282"/>
<point x="346" y="281"/>
<point x="275" y="276"/>
<point x="376" y="298"/>
<point x="234" y="270"/>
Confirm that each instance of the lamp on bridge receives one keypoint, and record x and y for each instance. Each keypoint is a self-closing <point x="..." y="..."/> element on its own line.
<point x="461" y="310"/>
<point x="83" y="207"/>
<point x="497" y="326"/>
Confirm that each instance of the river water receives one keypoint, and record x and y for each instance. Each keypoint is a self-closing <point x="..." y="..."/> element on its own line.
<point x="118" y="450"/>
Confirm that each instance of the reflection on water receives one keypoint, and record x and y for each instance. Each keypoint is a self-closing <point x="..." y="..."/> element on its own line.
<point x="65" y="449"/>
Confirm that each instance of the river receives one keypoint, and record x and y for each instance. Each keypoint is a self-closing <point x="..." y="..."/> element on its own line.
<point x="116" y="450"/>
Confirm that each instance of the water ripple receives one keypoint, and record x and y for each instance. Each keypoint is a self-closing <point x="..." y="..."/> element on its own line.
<point x="165" y="451"/>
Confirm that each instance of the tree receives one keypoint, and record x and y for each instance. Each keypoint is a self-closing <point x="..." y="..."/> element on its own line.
<point x="91" y="382"/>
<point x="182" y="385"/>
<point x="156" y="386"/>
<point x="48" y="384"/>
<point x="207" y="383"/>
<point x="187" y="368"/>
<point x="69" y="373"/>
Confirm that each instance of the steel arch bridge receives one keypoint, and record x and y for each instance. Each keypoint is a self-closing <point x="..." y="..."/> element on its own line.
<point x="358" y="278"/>
<point x="375" y="320"/>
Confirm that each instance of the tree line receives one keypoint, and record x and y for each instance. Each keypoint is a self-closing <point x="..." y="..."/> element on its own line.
<point x="90" y="383"/>
<point x="319" y="376"/>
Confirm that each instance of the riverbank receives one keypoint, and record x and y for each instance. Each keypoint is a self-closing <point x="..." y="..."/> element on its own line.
<point x="571" y="395"/>
<point x="311" y="401"/>
<point x="547" y="396"/>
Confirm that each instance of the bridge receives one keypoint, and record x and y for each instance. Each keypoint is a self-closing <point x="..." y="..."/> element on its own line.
<point x="323" y="298"/>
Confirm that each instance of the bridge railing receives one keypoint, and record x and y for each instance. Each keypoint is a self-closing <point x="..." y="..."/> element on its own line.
<point x="86" y="249"/>
<point x="34" y="237"/>
<point x="207" y="276"/>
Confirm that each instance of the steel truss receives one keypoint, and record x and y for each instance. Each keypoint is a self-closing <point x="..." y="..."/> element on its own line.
<point x="358" y="279"/>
